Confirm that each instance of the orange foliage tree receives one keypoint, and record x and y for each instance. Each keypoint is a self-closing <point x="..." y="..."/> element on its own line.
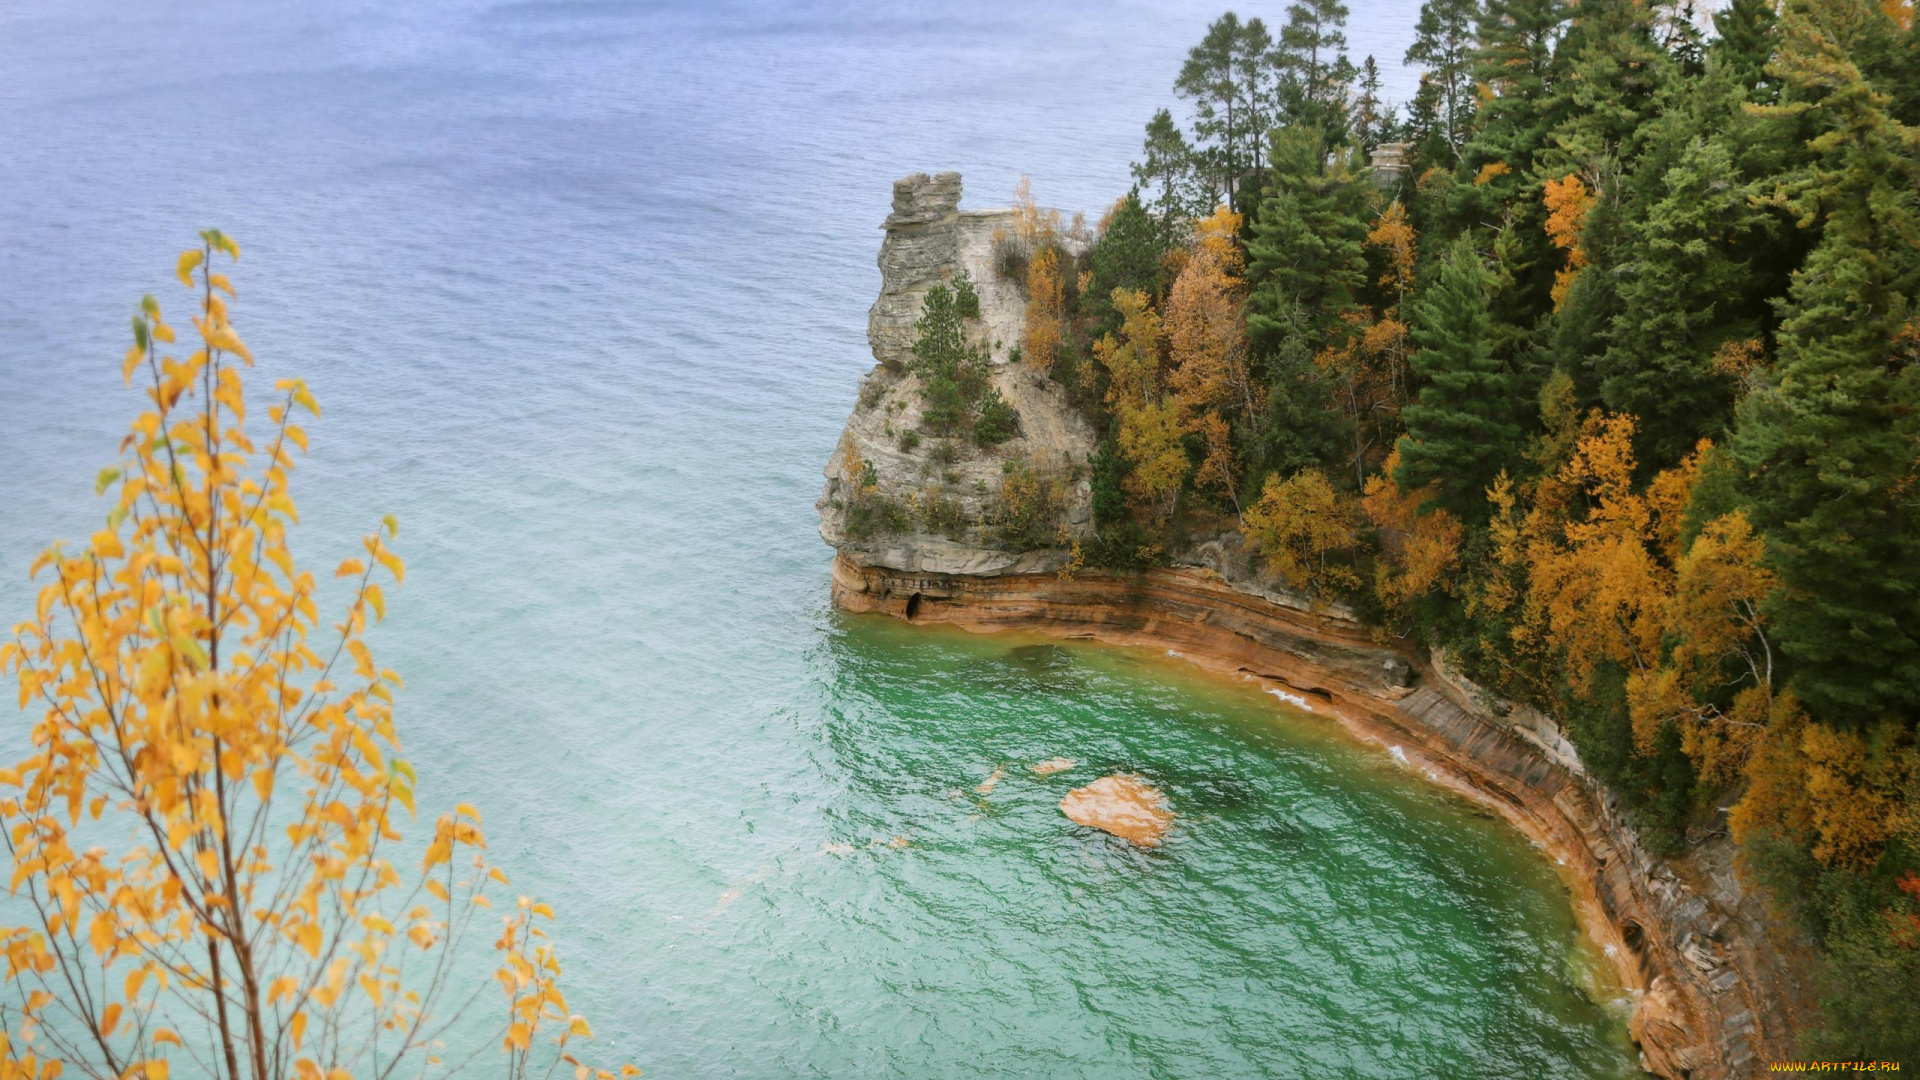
<point x="1416" y="550"/>
<point x="1210" y="377"/>
<point x="1038" y="233"/>
<point x="1568" y="200"/>
<point x="202" y="831"/>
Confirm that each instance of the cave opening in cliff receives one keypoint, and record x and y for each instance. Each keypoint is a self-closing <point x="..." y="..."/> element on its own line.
<point x="913" y="606"/>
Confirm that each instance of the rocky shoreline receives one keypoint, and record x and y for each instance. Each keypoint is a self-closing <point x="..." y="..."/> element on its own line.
<point x="1715" y="994"/>
<point x="1680" y="934"/>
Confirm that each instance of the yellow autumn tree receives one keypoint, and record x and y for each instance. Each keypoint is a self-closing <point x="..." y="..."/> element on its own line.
<point x="205" y="833"/>
<point x="1387" y="338"/>
<point x="1150" y="438"/>
<point x="1298" y="524"/>
<point x="1132" y="357"/>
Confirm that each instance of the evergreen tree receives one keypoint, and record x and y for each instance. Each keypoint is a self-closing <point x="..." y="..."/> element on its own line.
<point x="1211" y="79"/>
<point x="1313" y="61"/>
<point x="1259" y="84"/>
<point x="1167" y="170"/>
<point x="1461" y="431"/>
<point x="1444" y="42"/>
<point x="1305" y="427"/>
<point x="1746" y="35"/>
<point x="1130" y="254"/>
<point x="1306" y="243"/>
<point x="1613" y="70"/>
<point x="1830" y="444"/>
<point x="1500" y="183"/>
<point x="1372" y="117"/>
<point x="1426" y="129"/>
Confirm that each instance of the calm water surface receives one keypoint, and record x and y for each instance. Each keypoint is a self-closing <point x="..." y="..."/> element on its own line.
<point x="582" y="287"/>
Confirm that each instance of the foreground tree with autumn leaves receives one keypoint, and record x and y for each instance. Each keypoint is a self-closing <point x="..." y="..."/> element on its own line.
<point x="207" y="834"/>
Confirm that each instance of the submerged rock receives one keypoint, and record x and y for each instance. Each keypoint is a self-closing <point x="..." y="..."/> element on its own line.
<point x="986" y="786"/>
<point x="1126" y="806"/>
<point x="1053" y="765"/>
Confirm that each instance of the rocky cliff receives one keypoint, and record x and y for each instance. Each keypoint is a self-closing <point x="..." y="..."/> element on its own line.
<point x="1712" y="988"/>
<point x="931" y="240"/>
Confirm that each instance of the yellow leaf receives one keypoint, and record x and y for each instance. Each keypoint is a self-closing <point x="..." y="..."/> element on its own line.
<point x="519" y="1036"/>
<point x="543" y="909"/>
<point x="166" y="1035"/>
<point x="158" y="1069"/>
<point x="298" y="1025"/>
<point x="363" y="659"/>
<point x="282" y="987"/>
<point x="107" y="545"/>
<point x="188" y="260"/>
<point x="134" y="979"/>
<point x="578" y="1026"/>
<point x="351" y="568"/>
<point x="110" y="1019"/>
<point x="134" y="356"/>
<point x="163" y="331"/>
<point x="220" y="281"/>
<point x="439" y="890"/>
<point x="467" y="809"/>
<point x="309" y="937"/>
<point x="378" y="599"/>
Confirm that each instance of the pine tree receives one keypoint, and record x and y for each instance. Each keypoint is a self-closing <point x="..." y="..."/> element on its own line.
<point x="1500" y="183"/>
<point x="1613" y="71"/>
<point x="1313" y="60"/>
<point x="1444" y="43"/>
<point x="1461" y="429"/>
<point x="1129" y="254"/>
<point x="1168" y="169"/>
<point x="1259" y="84"/>
<point x="1372" y="116"/>
<point x="1211" y="79"/>
<point x="1830" y="445"/>
<point x="1307" y="240"/>
<point x="1746" y="35"/>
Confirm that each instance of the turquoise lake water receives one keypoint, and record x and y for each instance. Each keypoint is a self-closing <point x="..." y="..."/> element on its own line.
<point x="582" y="289"/>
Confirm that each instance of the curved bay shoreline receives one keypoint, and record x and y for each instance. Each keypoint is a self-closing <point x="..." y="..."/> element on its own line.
<point x="1713" y="989"/>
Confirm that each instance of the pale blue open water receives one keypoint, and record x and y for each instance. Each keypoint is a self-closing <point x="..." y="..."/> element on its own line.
<point x="581" y="286"/>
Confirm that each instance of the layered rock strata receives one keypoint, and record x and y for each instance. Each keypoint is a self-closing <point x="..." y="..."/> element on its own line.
<point x="1712" y="990"/>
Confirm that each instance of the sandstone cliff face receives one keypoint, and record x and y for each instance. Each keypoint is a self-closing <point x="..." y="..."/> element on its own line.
<point x="1713" y="990"/>
<point x="929" y="240"/>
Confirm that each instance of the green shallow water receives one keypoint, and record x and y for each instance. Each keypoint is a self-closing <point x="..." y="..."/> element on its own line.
<point x="1315" y="910"/>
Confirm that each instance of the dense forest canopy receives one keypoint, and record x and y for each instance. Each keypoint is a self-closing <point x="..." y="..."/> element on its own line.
<point x="1594" y="365"/>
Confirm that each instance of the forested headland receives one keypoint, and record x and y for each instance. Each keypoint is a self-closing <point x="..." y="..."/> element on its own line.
<point x="1594" y="365"/>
